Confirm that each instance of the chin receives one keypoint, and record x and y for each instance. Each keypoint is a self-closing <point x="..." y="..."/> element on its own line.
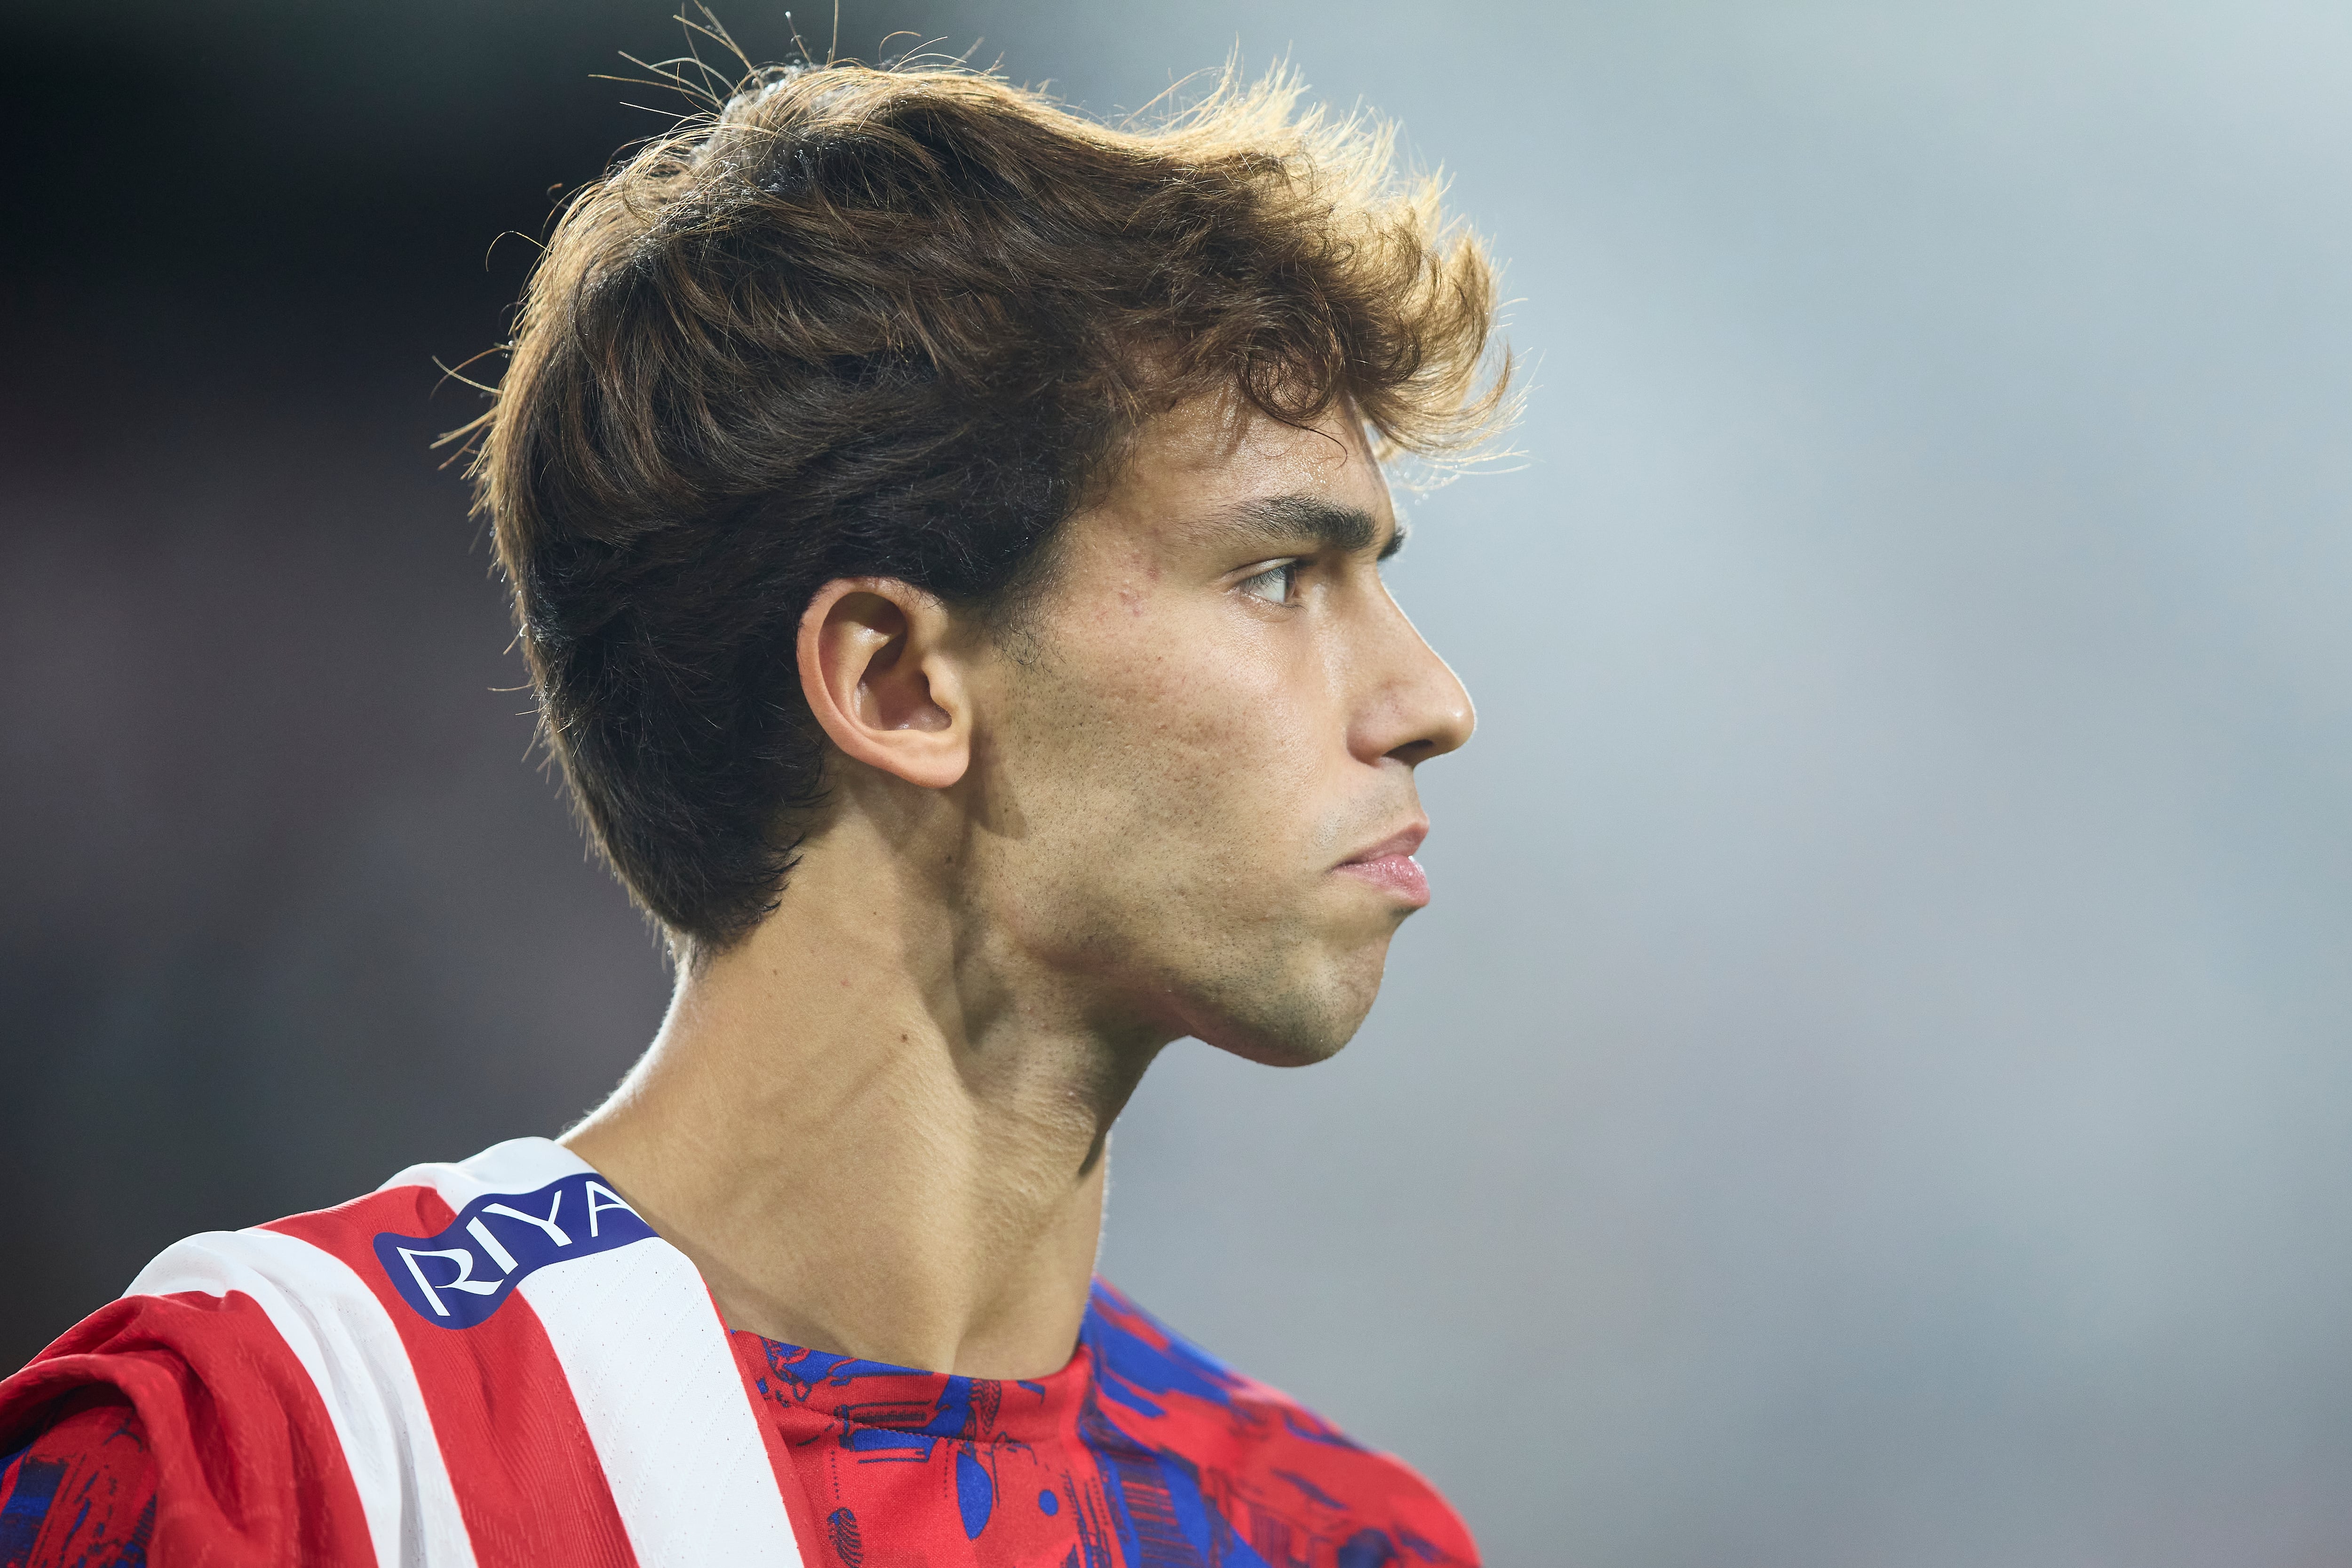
<point x="1299" y="1024"/>
<point x="1279" y="1051"/>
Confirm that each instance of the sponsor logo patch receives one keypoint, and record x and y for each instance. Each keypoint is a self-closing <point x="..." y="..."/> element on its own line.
<point x="458" y="1278"/>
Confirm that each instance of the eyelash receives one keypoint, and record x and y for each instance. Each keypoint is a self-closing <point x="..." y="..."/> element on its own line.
<point x="1287" y="571"/>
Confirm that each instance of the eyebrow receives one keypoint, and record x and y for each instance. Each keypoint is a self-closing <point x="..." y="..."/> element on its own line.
<point x="1281" y="521"/>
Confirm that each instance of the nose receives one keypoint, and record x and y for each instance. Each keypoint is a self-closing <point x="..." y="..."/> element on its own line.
<point x="1413" y="707"/>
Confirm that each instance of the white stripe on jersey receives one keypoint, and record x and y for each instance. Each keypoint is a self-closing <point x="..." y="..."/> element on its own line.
<point x="653" y="1375"/>
<point x="664" y="1402"/>
<point x="341" y="1333"/>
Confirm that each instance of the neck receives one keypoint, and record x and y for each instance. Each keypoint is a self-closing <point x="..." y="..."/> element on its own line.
<point x="872" y="1133"/>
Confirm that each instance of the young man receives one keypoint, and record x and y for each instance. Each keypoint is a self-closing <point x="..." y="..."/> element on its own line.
<point x="946" y="537"/>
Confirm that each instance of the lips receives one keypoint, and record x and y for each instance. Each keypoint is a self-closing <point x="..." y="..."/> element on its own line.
<point x="1389" y="865"/>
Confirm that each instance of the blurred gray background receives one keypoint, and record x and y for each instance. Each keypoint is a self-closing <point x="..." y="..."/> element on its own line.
<point x="1873" y="1088"/>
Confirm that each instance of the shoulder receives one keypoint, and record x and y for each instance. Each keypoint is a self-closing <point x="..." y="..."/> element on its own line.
<point x="267" y="1373"/>
<point x="227" y="1388"/>
<point x="342" y="1385"/>
<point x="1290" y="1483"/>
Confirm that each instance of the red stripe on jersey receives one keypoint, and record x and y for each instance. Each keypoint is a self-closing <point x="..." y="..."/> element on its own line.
<point x="750" y="1354"/>
<point x="528" y="1480"/>
<point x="247" y="1467"/>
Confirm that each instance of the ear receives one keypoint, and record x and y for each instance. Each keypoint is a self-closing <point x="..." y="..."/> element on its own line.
<point x="878" y="675"/>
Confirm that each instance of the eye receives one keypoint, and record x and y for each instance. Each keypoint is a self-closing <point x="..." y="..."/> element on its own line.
<point x="1276" y="585"/>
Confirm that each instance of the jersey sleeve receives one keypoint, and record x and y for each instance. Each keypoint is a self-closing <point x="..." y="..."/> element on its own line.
<point x="81" y="1492"/>
<point x="237" y="1461"/>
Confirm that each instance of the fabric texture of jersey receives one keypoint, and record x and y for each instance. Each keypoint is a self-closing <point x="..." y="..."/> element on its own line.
<point x="498" y="1362"/>
<point x="83" y="1492"/>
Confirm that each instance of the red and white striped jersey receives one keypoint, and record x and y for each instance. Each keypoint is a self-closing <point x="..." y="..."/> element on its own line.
<point x="383" y="1400"/>
<point x="498" y="1362"/>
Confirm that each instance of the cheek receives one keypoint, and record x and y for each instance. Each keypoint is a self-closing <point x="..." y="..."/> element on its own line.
<point x="1205" y="732"/>
<point x="1174" y="762"/>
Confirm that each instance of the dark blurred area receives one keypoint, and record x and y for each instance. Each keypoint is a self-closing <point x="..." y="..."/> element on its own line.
<point x="288" y="909"/>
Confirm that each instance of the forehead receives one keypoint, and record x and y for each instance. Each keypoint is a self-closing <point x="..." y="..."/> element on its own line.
<point x="1187" y="473"/>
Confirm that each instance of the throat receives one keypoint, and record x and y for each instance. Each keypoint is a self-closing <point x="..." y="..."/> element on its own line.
<point x="857" y="1181"/>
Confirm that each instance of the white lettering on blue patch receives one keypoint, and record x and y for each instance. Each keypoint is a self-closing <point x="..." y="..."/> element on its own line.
<point x="458" y="1278"/>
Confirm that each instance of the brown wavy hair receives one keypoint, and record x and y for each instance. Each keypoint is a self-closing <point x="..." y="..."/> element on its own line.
<point x="895" y="323"/>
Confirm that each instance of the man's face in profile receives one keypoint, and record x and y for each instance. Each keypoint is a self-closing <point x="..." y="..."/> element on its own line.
<point x="1200" y="778"/>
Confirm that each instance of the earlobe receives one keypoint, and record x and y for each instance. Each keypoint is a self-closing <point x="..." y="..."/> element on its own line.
<point x="881" y="681"/>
